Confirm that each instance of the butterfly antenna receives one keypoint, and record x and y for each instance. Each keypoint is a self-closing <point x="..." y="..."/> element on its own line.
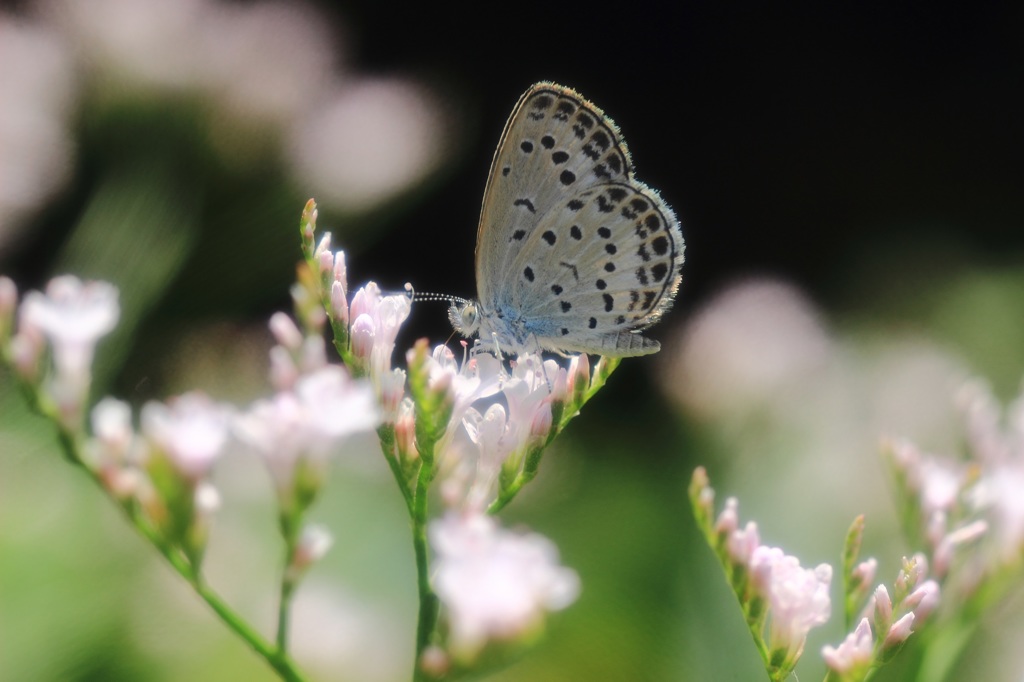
<point x="428" y="296"/>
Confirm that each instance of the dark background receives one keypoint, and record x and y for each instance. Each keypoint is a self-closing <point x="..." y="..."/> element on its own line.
<point x="792" y="138"/>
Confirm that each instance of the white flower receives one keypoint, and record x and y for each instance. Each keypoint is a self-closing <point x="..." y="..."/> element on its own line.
<point x="73" y="316"/>
<point x="112" y="449"/>
<point x="314" y="542"/>
<point x="493" y="583"/>
<point x="476" y="446"/>
<point x="899" y="631"/>
<point x="798" y="598"/>
<point x="308" y="422"/>
<point x="376" y="320"/>
<point x="854" y="653"/>
<point x="190" y="430"/>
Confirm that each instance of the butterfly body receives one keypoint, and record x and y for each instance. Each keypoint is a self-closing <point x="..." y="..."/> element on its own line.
<point x="573" y="254"/>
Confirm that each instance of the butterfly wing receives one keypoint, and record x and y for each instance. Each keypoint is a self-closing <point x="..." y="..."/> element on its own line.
<point x="612" y="257"/>
<point x="554" y="144"/>
<point x="572" y="251"/>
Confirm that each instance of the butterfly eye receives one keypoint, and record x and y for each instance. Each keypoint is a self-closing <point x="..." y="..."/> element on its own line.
<point x="464" y="319"/>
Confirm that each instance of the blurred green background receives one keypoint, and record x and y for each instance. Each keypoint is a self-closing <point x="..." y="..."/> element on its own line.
<point x="849" y="180"/>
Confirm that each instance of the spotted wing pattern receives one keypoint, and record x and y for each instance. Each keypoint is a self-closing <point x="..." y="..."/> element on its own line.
<point x="573" y="254"/>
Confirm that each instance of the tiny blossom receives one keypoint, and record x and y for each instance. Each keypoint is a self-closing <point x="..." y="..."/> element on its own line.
<point x="923" y="600"/>
<point x="949" y="543"/>
<point x="190" y="430"/>
<point x="392" y="392"/>
<point x="578" y="375"/>
<point x="741" y="544"/>
<point x="340" y="270"/>
<point x="26" y="349"/>
<point x="997" y="445"/>
<point x="285" y="331"/>
<point x="379" y="318"/>
<point x="864" y="572"/>
<point x="207" y="498"/>
<point x="434" y="661"/>
<point x="881" y="604"/>
<point x="324" y="407"/>
<point x="363" y="333"/>
<point x="74" y="316"/>
<point x="324" y="245"/>
<point x="729" y="519"/>
<point x="854" y="654"/>
<point x="313" y="354"/>
<point x="339" y="303"/>
<point x="326" y="261"/>
<point x="314" y="543"/>
<point x="112" y="427"/>
<point x="405" y="429"/>
<point x="476" y="446"/>
<point x="112" y="447"/>
<point x="798" y="597"/>
<point x="899" y="631"/>
<point x="283" y="372"/>
<point x="493" y="583"/>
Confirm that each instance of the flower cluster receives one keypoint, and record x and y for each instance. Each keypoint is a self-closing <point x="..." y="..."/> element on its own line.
<point x="497" y="585"/>
<point x="885" y="622"/>
<point x="67" y="321"/>
<point x="972" y="501"/>
<point x="470" y="428"/>
<point x="781" y="600"/>
<point x="160" y="474"/>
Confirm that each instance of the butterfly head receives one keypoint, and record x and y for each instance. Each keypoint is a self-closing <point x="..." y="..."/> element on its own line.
<point x="464" y="316"/>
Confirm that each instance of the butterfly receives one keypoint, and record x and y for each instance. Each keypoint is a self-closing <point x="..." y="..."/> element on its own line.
<point x="573" y="254"/>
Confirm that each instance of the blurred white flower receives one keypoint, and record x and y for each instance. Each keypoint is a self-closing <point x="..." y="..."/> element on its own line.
<point x="306" y="424"/>
<point x="315" y="541"/>
<point x="747" y="344"/>
<point x="495" y="584"/>
<point x="798" y="598"/>
<point x="112" y="450"/>
<point x="38" y="86"/>
<point x="112" y="427"/>
<point x="73" y="316"/>
<point x="371" y="139"/>
<point x="997" y="444"/>
<point x="266" y="73"/>
<point x="259" y="60"/>
<point x="855" y="654"/>
<point x="190" y="430"/>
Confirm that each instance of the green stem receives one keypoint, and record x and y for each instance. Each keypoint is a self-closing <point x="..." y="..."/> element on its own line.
<point x="284" y="607"/>
<point x="386" y="436"/>
<point x="274" y="656"/>
<point x="428" y="600"/>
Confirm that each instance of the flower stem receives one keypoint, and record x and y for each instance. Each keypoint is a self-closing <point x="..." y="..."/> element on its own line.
<point x="428" y="600"/>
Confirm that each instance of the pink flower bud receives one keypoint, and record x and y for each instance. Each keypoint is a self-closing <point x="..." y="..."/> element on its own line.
<point x="923" y="600"/>
<point x="864" y="572"/>
<point x="324" y="246"/>
<point x="285" y="331"/>
<point x="362" y="336"/>
<point x="882" y="608"/>
<point x="540" y="426"/>
<point x="339" y="305"/>
<point x="899" y="632"/>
